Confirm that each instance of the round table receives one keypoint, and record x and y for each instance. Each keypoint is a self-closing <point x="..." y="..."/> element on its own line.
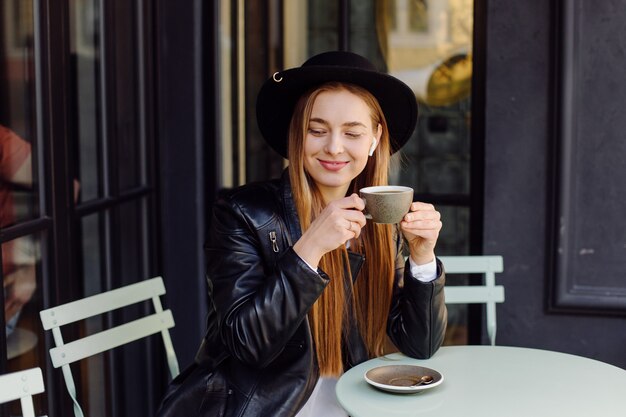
<point x="493" y="381"/>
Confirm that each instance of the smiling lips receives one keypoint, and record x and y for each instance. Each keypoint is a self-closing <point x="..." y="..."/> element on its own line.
<point x="332" y="165"/>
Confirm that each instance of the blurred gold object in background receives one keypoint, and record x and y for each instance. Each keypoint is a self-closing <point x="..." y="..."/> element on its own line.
<point x="450" y="81"/>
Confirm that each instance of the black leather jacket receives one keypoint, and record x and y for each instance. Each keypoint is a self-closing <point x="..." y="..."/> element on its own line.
<point x="257" y="357"/>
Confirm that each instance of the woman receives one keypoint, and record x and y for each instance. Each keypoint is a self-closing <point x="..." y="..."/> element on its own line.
<point x="301" y="286"/>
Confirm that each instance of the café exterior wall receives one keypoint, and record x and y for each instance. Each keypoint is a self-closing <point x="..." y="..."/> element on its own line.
<point x="528" y="115"/>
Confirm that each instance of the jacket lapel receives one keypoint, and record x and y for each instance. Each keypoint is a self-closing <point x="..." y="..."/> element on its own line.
<point x="289" y="207"/>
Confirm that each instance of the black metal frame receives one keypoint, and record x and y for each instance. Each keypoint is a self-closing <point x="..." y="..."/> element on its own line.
<point x="477" y="157"/>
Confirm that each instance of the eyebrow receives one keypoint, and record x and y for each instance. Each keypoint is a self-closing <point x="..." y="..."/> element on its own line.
<point x="347" y="124"/>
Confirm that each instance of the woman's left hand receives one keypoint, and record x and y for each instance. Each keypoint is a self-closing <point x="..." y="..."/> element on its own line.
<point x="421" y="226"/>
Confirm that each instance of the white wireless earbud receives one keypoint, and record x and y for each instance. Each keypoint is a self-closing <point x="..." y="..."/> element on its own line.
<point x="373" y="147"/>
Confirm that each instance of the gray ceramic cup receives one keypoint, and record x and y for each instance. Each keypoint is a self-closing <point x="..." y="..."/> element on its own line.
<point x="386" y="203"/>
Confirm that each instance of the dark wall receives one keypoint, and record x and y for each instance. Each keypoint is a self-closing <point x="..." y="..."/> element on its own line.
<point x="531" y="180"/>
<point x="182" y="169"/>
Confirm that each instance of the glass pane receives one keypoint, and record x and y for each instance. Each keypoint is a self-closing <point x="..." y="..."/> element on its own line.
<point x="101" y="370"/>
<point x="129" y="146"/>
<point x="17" y="113"/>
<point x="323" y="29"/>
<point x="124" y="137"/>
<point x="85" y="67"/>
<point x="93" y="369"/>
<point x="91" y="259"/>
<point x="132" y="255"/>
<point x="131" y="250"/>
<point x="260" y="61"/>
<point x="22" y="302"/>
<point x="245" y="156"/>
<point x="428" y="45"/>
<point x="439" y="152"/>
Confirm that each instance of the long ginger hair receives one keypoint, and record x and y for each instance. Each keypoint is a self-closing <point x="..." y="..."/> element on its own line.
<point x="371" y="296"/>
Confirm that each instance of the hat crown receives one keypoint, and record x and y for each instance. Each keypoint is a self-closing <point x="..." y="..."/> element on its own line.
<point x="340" y="59"/>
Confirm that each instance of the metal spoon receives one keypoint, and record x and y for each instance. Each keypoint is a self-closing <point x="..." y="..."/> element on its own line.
<point x="425" y="380"/>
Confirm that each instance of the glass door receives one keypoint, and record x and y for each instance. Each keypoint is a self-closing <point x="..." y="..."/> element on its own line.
<point x="78" y="189"/>
<point x="22" y="344"/>
<point x="428" y="44"/>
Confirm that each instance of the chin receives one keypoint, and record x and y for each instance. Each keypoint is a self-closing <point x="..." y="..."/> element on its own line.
<point x="333" y="181"/>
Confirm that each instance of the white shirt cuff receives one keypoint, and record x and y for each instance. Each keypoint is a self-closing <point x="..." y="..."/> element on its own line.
<point x="308" y="264"/>
<point x="424" y="273"/>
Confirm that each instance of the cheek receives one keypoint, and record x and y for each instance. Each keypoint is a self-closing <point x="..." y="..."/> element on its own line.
<point x="310" y="147"/>
<point x="309" y="152"/>
<point x="360" y="158"/>
<point x="361" y="164"/>
<point x="360" y="153"/>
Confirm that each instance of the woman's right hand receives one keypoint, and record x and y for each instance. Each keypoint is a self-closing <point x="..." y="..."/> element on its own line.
<point x="340" y="221"/>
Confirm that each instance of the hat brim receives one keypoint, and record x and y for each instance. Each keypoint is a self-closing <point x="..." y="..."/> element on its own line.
<point x="278" y="96"/>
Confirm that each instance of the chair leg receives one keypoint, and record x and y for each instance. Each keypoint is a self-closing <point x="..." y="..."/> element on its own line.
<point x="491" y="322"/>
<point x="71" y="389"/>
<point x="27" y="407"/>
<point x="172" y="362"/>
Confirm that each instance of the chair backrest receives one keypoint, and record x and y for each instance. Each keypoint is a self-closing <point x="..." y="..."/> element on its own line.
<point x="22" y="385"/>
<point x="66" y="353"/>
<point x="488" y="293"/>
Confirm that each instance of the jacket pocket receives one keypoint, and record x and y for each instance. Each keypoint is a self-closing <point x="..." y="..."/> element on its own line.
<point x="196" y="392"/>
<point x="215" y="402"/>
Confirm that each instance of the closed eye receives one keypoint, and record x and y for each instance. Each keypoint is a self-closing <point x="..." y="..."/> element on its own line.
<point x="316" y="132"/>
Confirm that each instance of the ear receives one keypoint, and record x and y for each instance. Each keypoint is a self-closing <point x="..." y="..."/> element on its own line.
<point x="375" y="140"/>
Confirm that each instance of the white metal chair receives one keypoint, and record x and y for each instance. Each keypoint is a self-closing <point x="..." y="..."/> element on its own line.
<point x="22" y="385"/>
<point x="64" y="354"/>
<point x="489" y="293"/>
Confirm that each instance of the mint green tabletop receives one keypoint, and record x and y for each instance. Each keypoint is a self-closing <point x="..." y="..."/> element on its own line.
<point x="493" y="381"/>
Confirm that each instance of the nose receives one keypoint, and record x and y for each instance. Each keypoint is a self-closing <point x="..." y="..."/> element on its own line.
<point x="334" y="144"/>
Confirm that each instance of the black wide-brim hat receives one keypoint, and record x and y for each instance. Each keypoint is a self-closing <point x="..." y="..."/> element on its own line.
<point x="279" y="94"/>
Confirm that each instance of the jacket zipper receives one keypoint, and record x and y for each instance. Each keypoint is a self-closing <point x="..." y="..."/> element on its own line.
<point x="274" y="241"/>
